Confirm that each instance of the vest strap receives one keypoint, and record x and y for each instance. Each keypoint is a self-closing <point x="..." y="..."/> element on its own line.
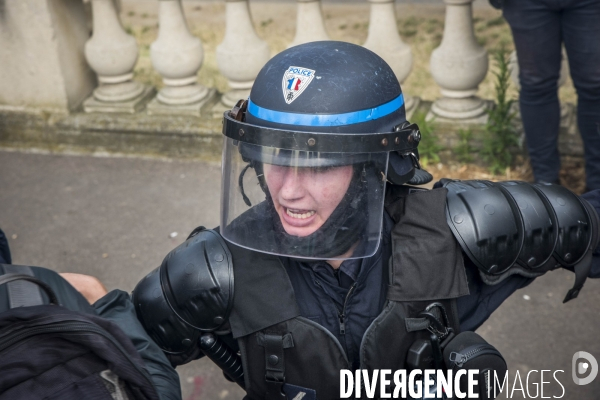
<point x="416" y="324"/>
<point x="274" y="365"/>
<point x="288" y="340"/>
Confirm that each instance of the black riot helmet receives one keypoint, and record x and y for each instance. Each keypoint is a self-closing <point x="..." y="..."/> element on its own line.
<point x="322" y="123"/>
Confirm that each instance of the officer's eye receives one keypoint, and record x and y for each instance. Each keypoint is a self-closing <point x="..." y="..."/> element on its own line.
<point x="320" y="170"/>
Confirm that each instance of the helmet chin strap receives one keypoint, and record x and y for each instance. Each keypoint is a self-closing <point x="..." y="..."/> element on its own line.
<point x="241" y="184"/>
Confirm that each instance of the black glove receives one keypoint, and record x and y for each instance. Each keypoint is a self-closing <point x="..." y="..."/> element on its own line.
<point x="193" y="353"/>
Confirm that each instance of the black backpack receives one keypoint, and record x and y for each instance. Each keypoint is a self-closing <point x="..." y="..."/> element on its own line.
<point x="49" y="352"/>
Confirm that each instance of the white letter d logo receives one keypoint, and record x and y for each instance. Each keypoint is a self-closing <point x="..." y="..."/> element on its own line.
<point x="583" y="367"/>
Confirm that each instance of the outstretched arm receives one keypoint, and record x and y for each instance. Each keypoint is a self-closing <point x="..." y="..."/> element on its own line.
<point x="89" y="286"/>
<point x="516" y="228"/>
<point x="117" y="307"/>
<point x="513" y="232"/>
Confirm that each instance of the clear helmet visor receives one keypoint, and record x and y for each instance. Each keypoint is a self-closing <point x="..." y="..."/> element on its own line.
<point x="302" y="204"/>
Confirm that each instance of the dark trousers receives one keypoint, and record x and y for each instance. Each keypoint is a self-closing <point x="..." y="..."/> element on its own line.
<point x="539" y="27"/>
<point x="5" y="257"/>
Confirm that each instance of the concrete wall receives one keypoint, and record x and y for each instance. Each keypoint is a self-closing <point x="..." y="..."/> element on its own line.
<point x="42" y="64"/>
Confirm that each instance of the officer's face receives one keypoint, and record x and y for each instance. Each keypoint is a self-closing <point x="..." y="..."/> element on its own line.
<point x="304" y="198"/>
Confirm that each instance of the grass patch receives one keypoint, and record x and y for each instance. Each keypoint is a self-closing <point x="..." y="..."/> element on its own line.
<point x="496" y="21"/>
<point x="464" y="151"/>
<point x="406" y="33"/>
<point x="412" y="21"/>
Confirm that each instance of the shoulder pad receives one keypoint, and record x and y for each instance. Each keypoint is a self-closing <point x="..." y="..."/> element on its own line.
<point x="191" y="291"/>
<point x="505" y="224"/>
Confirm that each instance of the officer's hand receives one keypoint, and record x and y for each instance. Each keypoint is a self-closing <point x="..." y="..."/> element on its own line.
<point x="192" y="354"/>
<point x="89" y="286"/>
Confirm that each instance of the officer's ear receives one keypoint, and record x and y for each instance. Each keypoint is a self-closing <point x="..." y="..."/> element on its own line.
<point x="421" y="177"/>
<point x="400" y="169"/>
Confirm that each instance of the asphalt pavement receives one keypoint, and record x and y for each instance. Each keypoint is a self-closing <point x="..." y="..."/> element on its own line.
<point x="116" y="218"/>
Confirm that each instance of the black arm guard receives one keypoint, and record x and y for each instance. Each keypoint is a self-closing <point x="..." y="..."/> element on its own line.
<point x="190" y="293"/>
<point x="515" y="227"/>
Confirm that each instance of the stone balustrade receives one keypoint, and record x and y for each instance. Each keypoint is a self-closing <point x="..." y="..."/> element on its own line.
<point x="458" y="65"/>
<point x="110" y="54"/>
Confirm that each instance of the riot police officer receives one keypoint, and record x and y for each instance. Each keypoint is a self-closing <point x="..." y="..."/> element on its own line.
<point x="328" y="256"/>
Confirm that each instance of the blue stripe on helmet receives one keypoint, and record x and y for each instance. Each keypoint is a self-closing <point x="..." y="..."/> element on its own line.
<point x="355" y="117"/>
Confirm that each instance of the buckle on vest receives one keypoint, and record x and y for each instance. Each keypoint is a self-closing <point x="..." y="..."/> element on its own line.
<point x="435" y="313"/>
<point x="275" y="389"/>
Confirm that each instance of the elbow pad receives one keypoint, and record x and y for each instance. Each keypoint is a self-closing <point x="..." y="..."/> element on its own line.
<point x="190" y="293"/>
<point x="514" y="227"/>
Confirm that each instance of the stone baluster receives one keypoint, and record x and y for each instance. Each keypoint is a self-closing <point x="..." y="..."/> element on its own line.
<point x="177" y="55"/>
<point x="242" y="53"/>
<point x="112" y="54"/>
<point x="383" y="39"/>
<point x="309" y="23"/>
<point x="459" y="65"/>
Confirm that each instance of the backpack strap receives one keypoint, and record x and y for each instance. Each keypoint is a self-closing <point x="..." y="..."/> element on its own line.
<point x="23" y="287"/>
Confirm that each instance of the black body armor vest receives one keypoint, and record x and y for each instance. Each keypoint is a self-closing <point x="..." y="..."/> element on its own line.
<point x="279" y="347"/>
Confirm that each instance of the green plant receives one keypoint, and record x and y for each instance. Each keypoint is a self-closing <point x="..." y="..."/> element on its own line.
<point x="408" y="32"/>
<point x="464" y="150"/>
<point x="432" y="25"/>
<point x="501" y="136"/>
<point x="429" y="147"/>
<point x="411" y="21"/>
<point x="496" y="21"/>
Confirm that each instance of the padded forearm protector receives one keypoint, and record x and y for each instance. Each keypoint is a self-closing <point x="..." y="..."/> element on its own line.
<point x="515" y="227"/>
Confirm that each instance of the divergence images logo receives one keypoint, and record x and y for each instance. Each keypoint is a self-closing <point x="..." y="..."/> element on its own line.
<point x="295" y="80"/>
<point x="581" y="367"/>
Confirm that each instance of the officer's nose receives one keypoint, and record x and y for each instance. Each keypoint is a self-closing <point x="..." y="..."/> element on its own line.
<point x="292" y="187"/>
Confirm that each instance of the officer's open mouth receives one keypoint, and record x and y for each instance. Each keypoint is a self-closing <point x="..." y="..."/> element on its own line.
<point x="299" y="214"/>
